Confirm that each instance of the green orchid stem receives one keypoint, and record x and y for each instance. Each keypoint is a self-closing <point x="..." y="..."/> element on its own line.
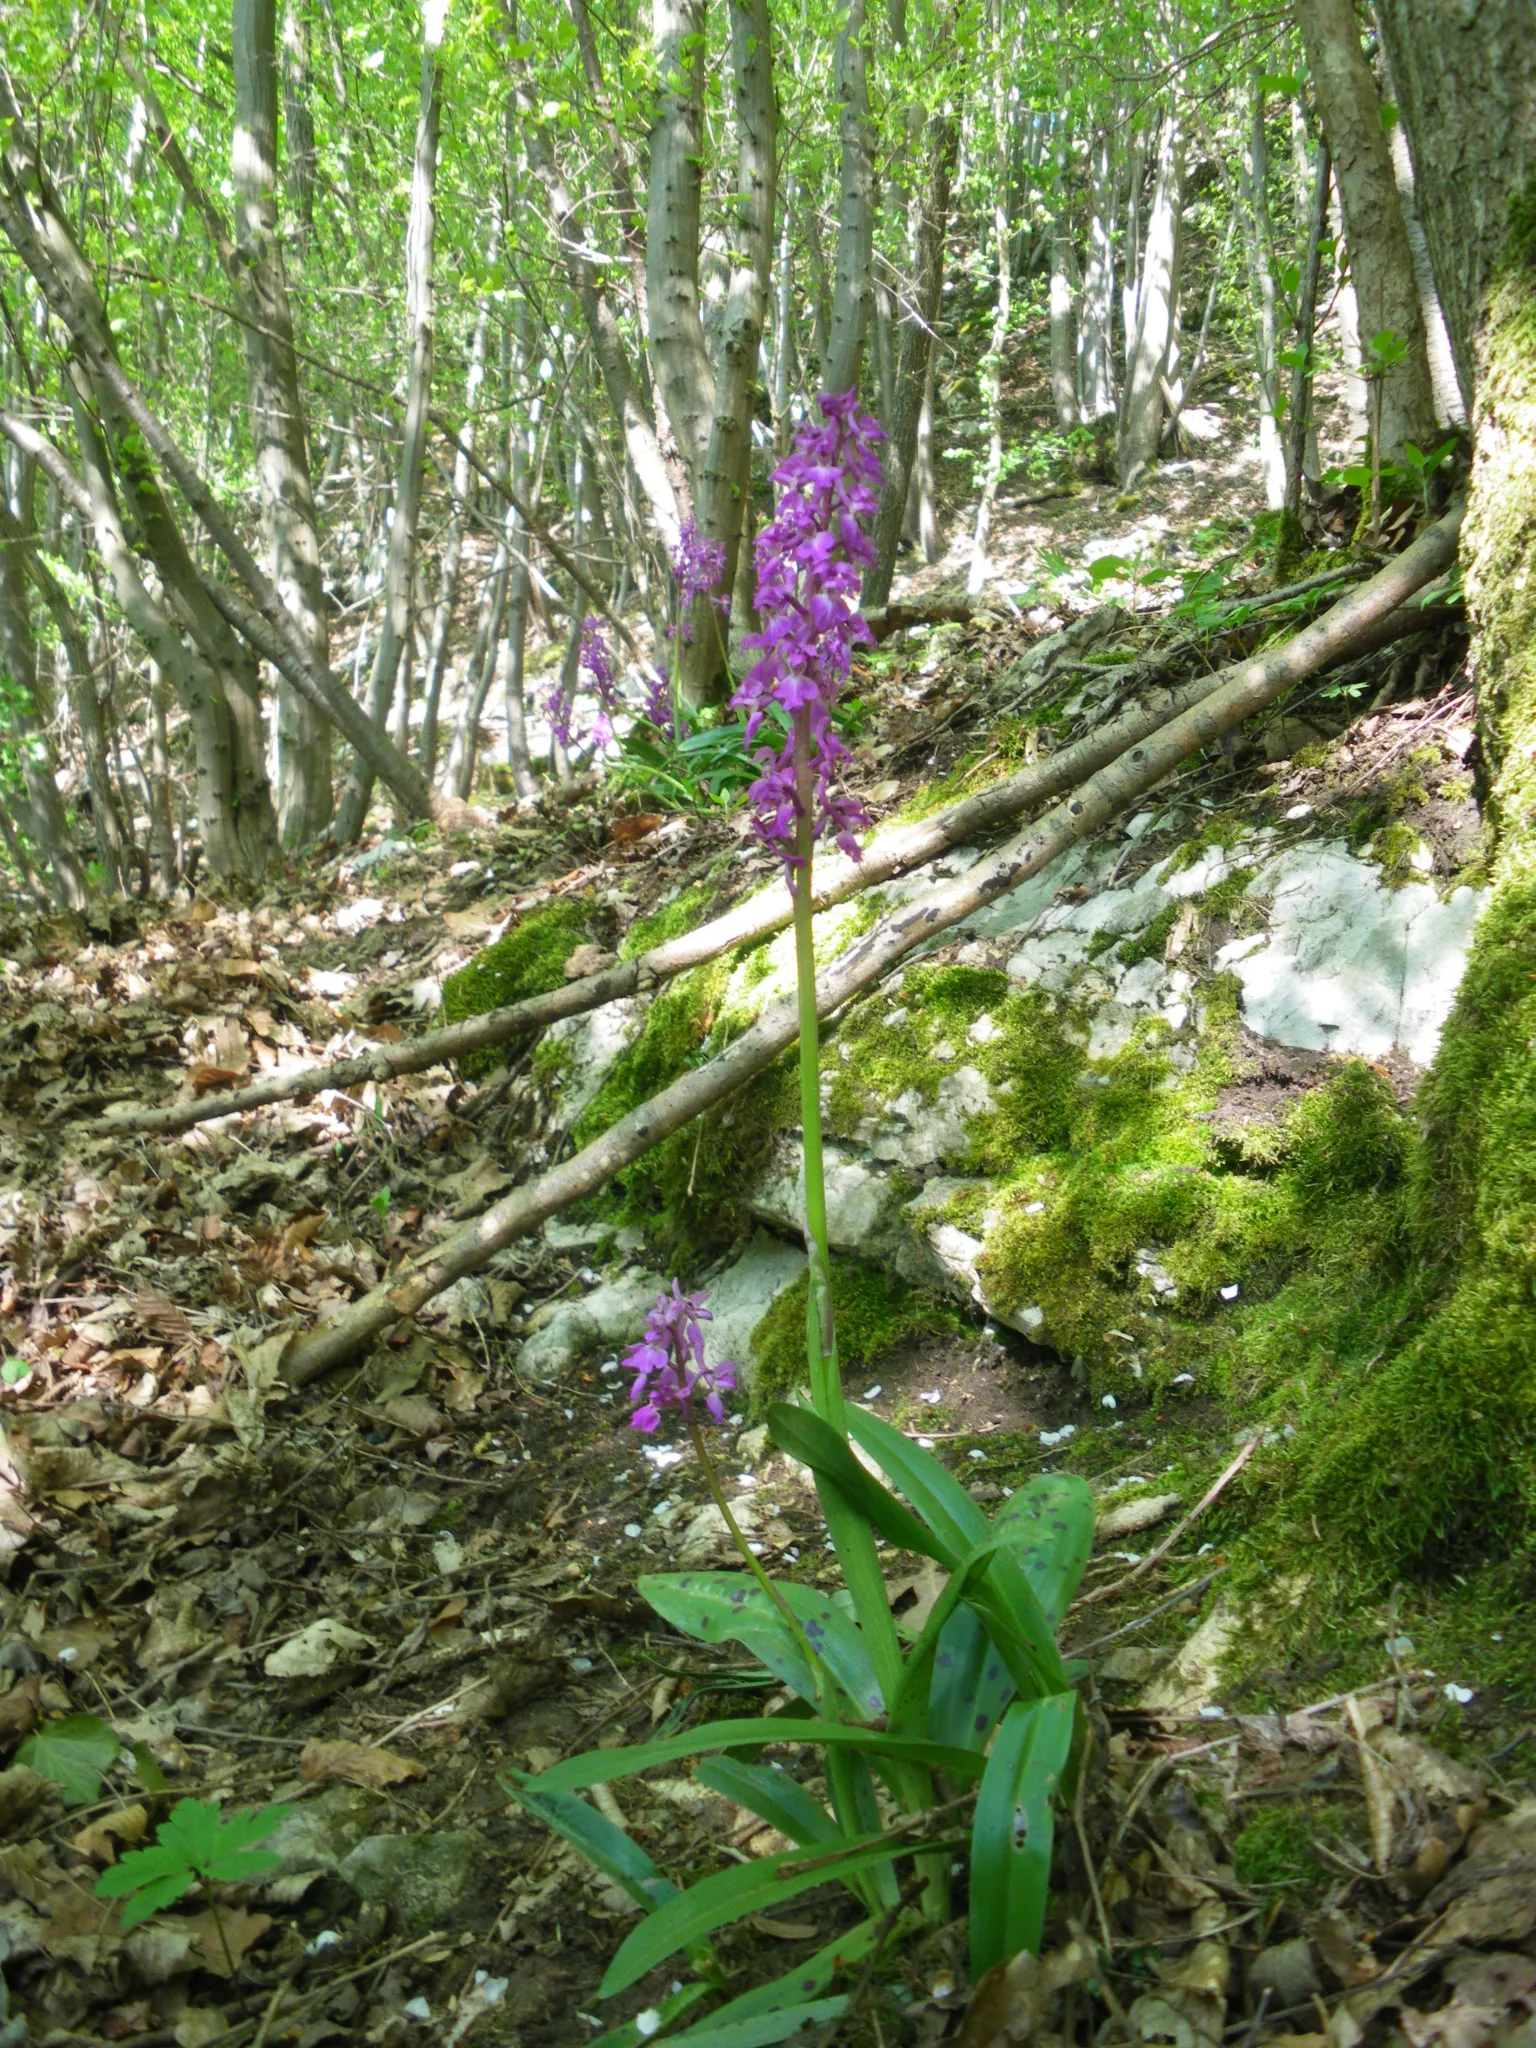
<point x="826" y="1685"/>
<point x="852" y="1538"/>
<point x="826" y="1382"/>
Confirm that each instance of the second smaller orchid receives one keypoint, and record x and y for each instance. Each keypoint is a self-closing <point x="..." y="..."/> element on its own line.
<point x="668" y="1363"/>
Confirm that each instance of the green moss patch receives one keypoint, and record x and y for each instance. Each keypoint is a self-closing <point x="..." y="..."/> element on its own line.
<point x="527" y="961"/>
<point x="670" y="920"/>
<point x="874" y="1313"/>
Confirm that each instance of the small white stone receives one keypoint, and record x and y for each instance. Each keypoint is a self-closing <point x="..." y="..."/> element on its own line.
<point x="984" y="1029"/>
<point x="893" y="1018"/>
<point x="933" y="1397"/>
<point x="417" y="2009"/>
<point x="1183" y="1379"/>
<point x="1213" y="1713"/>
<point x="1229" y="1293"/>
<point x="943" y="1050"/>
<point x="925" y="1443"/>
<point x="979" y="1457"/>
<point x="1034" y="1208"/>
<point x="633" y="1529"/>
<point x="1298" y="811"/>
<point x="1109" y="1401"/>
<point x="1459" y="1695"/>
<point x="1052" y="1437"/>
<point x="648" y="2023"/>
<point x="873" y="1393"/>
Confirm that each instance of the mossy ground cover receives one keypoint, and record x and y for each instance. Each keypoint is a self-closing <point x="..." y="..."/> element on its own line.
<point x="527" y="961"/>
<point x="875" y="1313"/>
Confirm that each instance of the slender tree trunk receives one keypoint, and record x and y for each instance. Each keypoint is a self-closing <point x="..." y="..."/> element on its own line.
<point x="25" y="721"/>
<point x="1252" y="180"/>
<point x="299" y="121"/>
<point x="1096" y="332"/>
<point x="683" y="373"/>
<point x="726" y="470"/>
<point x="992" y="369"/>
<point x="288" y="514"/>
<point x="916" y="357"/>
<point x="1065" y="286"/>
<point x="589" y="283"/>
<point x="922" y="519"/>
<point x="854" y="277"/>
<point x="1302" y="377"/>
<point x="1141" y="414"/>
<point x="1381" y="260"/>
<point x="400" y="564"/>
<point x="453" y="543"/>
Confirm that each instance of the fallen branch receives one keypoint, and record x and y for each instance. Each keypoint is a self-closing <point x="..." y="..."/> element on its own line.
<point x="1357" y="623"/>
<point x="1354" y="625"/>
<point x="1256" y="684"/>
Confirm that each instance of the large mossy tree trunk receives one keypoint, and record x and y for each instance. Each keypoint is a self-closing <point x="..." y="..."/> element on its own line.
<point x="1435" y="1460"/>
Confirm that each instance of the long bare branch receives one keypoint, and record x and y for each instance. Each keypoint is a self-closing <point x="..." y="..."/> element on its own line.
<point x="1120" y="784"/>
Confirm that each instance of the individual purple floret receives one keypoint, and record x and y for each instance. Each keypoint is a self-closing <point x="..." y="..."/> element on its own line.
<point x="668" y="1362"/>
<point x="809" y="566"/>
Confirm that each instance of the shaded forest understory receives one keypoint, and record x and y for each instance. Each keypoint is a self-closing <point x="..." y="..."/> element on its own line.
<point x="396" y="992"/>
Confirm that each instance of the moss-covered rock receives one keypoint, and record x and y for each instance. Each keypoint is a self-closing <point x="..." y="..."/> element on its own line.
<point x="527" y="961"/>
<point x="874" y="1312"/>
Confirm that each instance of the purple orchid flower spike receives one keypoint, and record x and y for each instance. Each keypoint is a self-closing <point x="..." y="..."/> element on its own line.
<point x="560" y="705"/>
<point x="668" y="1363"/>
<point x="809" y="565"/>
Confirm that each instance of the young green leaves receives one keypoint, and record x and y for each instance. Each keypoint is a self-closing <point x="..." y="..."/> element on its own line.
<point x="196" y="1845"/>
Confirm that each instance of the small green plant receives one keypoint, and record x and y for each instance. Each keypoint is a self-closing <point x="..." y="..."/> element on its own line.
<point x="74" y="1753"/>
<point x="379" y="1203"/>
<point x="196" y="1845"/>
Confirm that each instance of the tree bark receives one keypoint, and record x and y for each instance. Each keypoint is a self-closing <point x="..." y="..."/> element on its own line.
<point x="853" y="275"/>
<point x="289" y="522"/>
<point x="1141" y="413"/>
<point x="1095" y="339"/>
<point x="725" y="473"/>
<point x="916" y="353"/>
<point x="1066" y="283"/>
<point x="992" y="368"/>
<point x="676" y="332"/>
<point x="400" y="562"/>
<point x="1381" y="261"/>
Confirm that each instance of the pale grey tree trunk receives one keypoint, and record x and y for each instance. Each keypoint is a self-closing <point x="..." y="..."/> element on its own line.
<point x="684" y="375"/>
<point x="992" y="369"/>
<point x="1445" y="385"/>
<point x="1096" y="329"/>
<point x="852" y="286"/>
<point x="1141" y="412"/>
<point x="1065" y="286"/>
<point x="298" y="120"/>
<point x="1465" y="77"/>
<point x="724" y="474"/>
<point x="289" y="522"/>
<point x="400" y="563"/>
<point x="1381" y="260"/>
<point x="1251" y="206"/>
<point x="916" y="356"/>
<point x="453" y="540"/>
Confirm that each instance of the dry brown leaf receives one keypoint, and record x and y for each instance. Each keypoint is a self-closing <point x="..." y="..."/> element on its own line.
<point x="783" y="1930"/>
<point x="415" y="1414"/>
<point x="100" y="1840"/>
<point x="19" y="1709"/>
<point x="355" y="1763"/>
<point x="81" y="1929"/>
<point x="1013" y="2000"/>
<point x="241" y="1932"/>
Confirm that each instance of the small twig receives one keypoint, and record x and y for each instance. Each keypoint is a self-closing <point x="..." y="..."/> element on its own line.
<point x="1088" y="1863"/>
<point x="1189" y="1592"/>
<point x="1162" y="1550"/>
